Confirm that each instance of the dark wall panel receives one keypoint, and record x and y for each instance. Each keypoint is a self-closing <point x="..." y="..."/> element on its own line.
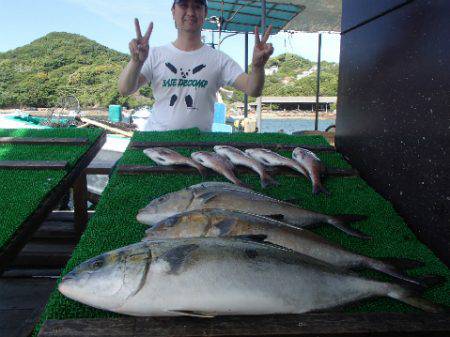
<point x="355" y="12"/>
<point x="393" y="121"/>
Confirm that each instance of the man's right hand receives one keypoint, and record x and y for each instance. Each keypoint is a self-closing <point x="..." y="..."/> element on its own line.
<point x="139" y="45"/>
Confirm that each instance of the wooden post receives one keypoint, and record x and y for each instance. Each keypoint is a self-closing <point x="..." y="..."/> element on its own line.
<point x="80" y="203"/>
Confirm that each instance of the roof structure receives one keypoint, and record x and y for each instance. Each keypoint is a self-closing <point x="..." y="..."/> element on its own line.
<point x="294" y="100"/>
<point x="297" y="99"/>
<point x="242" y="16"/>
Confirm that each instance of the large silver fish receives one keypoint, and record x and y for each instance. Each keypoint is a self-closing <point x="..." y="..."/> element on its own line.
<point x="217" y="163"/>
<point x="312" y="164"/>
<point x="207" y="277"/>
<point x="227" y="223"/>
<point x="270" y="158"/>
<point x="165" y="156"/>
<point x="197" y="198"/>
<point x="238" y="157"/>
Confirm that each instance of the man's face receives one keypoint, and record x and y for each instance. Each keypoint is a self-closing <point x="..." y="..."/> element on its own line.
<point x="189" y="15"/>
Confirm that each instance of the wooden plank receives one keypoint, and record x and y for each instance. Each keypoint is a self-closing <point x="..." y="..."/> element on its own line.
<point x="21" y="303"/>
<point x="64" y="215"/>
<point x="80" y="203"/>
<point x="100" y="167"/>
<point x="335" y="324"/>
<point x="33" y="164"/>
<point x="14" y="323"/>
<point x="56" y="230"/>
<point x="24" y="294"/>
<point x="274" y="171"/>
<point x="44" y="254"/>
<point x="9" y="251"/>
<point x="239" y="145"/>
<point x="17" y="272"/>
<point x="107" y="127"/>
<point x="44" y="141"/>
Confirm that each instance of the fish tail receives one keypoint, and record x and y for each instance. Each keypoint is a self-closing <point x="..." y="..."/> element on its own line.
<point x="401" y="263"/>
<point x="267" y="181"/>
<point x="340" y="222"/>
<point x="242" y="184"/>
<point x="201" y="169"/>
<point x="411" y="298"/>
<point x="392" y="271"/>
<point x="319" y="188"/>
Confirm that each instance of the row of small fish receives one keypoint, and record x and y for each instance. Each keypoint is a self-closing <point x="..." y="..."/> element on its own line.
<point x="222" y="161"/>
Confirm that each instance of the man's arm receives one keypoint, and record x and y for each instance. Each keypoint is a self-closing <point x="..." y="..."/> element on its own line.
<point x="131" y="79"/>
<point x="253" y="83"/>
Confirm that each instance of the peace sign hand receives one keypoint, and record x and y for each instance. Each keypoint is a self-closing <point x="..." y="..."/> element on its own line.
<point x="139" y="45"/>
<point x="262" y="50"/>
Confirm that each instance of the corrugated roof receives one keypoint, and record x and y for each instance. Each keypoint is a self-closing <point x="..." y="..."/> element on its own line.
<point x="298" y="15"/>
<point x="297" y="99"/>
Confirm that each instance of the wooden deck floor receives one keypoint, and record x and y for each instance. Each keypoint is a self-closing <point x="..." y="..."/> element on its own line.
<point x="26" y="285"/>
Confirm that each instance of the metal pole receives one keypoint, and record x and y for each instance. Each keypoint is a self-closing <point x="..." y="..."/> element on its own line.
<point x="246" y="71"/>
<point x="263" y="28"/>
<point x="316" y="123"/>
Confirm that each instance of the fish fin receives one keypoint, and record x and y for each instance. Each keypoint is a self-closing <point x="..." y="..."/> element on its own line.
<point x="317" y="189"/>
<point x="431" y="281"/>
<point x="411" y="298"/>
<point x="251" y="237"/>
<point x="224" y="226"/>
<point x="402" y="263"/>
<point x="206" y="196"/>
<point x="340" y="222"/>
<point x="190" y="313"/>
<point x="268" y="181"/>
<point x="204" y="172"/>
<point x="391" y="270"/>
<point x="278" y="217"/>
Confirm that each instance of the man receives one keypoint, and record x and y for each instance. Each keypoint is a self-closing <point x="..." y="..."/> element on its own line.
<point x="186" y="74"/>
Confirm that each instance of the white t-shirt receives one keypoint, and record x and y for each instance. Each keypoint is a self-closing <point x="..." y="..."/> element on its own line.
<point x="185" y="84"/>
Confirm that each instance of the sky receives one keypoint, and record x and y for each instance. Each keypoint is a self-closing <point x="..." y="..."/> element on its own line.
<point x="110" y="22"/>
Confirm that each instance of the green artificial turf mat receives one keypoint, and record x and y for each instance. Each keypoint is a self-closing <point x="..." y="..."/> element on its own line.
<point x="114" y="224"/>
<point x="69" y="153"/>
<point x="21" y="191"/>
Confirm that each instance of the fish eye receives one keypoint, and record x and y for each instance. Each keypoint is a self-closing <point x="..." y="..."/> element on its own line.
<point x="96" y="264"/>
<point x="160" y="199"/>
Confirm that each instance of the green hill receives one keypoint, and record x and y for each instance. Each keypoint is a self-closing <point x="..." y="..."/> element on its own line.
<point x="60" y="64"/>
<point x="289" y="79"/>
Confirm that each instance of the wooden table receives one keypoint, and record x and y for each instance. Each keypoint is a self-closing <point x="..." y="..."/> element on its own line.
<point x="76" y="178"/>
<point x="317" y="324"/>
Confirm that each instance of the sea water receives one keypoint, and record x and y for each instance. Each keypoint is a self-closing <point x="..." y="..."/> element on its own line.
<point x="290" y="125"/>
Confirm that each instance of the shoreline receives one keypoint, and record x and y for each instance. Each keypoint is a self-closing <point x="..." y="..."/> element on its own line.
<point x="45" y="112"/>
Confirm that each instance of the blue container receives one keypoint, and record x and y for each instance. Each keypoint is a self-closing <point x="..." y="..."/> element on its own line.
<point x="115" y="113"/>
<point x="219" y="113"/>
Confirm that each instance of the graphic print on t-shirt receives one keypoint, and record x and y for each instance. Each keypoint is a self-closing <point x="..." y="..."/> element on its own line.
<point x="184" y="82"/>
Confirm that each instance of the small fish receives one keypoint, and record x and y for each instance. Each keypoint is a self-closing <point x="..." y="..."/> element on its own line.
<point x="228" y="223"/>
<point x="312" y="164"/>
<point x="165" y="156"/>
<point x="207" y="277"/>
<point x="238" y="157"/>
<point x="217" y="163"/>
<point x="270" y="158"/>
<point x="196" y="198"/>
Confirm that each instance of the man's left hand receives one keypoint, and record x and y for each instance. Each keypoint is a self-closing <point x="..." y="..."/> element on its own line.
<point x="262" y="50"/>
